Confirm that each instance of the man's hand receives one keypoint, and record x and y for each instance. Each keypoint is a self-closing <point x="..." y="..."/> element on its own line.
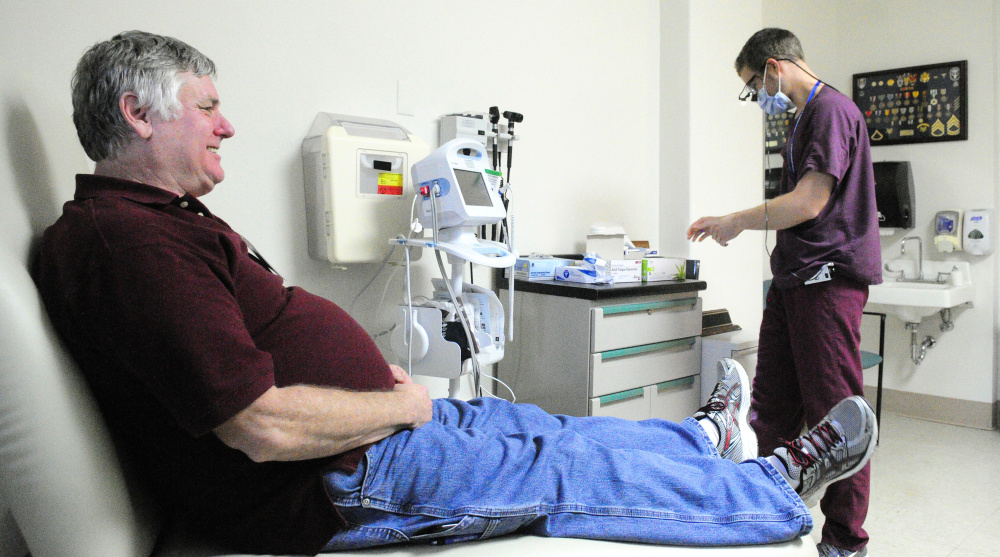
<point x="720" y="229"/>
<point x="803" y="203"/>
<point x="415" y="395"/>
<point x="415" y="402"/>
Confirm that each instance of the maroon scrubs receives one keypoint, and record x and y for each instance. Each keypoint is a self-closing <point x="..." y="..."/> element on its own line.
<point x="809" y="355"/>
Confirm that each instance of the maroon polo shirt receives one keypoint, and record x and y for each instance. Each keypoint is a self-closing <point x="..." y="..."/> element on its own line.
<point x="177" y="329"/>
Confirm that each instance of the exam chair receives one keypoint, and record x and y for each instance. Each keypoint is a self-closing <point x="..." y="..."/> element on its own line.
<point x="73" y="496"/>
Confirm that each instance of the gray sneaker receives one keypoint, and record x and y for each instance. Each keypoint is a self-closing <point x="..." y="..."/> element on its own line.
<point x="840" y="445"/>
<point x="827" y="550"/>
<point x="727" y="408"/>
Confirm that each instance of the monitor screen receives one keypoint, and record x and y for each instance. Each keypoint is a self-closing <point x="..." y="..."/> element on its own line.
<point x="473" y="188"/>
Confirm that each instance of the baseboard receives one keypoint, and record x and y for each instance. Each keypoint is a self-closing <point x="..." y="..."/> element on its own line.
<point x="968" y="413"/>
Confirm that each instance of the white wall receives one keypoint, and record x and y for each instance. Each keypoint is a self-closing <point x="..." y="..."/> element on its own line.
<point x="710" y="148"/>
<point x="584" y="74"/>
<point x="854" y="36"/>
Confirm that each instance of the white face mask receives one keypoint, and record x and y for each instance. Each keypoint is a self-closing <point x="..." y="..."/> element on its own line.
<point x="772" y="105"/>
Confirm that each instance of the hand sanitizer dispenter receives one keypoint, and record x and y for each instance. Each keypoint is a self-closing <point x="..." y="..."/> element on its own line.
<point x="977" y="238"/>
<point x="948" y="230"/>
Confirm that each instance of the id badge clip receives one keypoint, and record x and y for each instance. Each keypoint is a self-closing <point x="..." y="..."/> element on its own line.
<point x="824" y="274"/>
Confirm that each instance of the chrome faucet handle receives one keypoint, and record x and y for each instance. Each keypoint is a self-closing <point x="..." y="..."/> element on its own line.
<point x="902" y="273"/>
<point x="943" y="276"/>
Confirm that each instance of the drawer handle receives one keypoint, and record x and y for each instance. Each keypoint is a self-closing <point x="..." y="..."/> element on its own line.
<point x="622" y="396"/>
<point x="682" y="382"/>
<point x="649" y="307"/>
<point x="645" y="348"/>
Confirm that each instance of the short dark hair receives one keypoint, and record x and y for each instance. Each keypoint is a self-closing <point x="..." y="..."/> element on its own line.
<point x="144" y="63"/>
<point x="769" y="43"/>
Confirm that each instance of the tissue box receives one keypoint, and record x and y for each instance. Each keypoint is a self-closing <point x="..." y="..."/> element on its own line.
<point x="537" y="268"/>
<point x="625" y="270"/>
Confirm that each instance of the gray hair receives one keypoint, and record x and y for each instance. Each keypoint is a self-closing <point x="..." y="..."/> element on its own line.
<point x="143" y="63"/>
<point x="769" y="43"/>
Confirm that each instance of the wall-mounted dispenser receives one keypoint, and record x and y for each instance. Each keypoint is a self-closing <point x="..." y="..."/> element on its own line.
<point x="894" y="194"/>
<point x="948" y="231"/>
<point x="977" y="238"/>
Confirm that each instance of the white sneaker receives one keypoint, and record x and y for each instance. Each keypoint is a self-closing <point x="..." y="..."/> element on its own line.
<point x="728" y="408"/>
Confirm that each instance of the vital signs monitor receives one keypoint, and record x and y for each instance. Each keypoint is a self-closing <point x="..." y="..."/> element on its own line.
<point x="467" y="191"/>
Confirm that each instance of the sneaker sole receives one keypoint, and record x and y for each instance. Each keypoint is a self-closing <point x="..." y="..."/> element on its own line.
<point x="747" y="435"/>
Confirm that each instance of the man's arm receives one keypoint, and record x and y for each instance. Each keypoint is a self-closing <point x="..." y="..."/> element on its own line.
<point x="803" y="203"/>
<point x="302" y="421"/>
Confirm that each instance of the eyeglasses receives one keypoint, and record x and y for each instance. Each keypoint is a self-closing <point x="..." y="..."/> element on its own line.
<point x="748" y="92"/>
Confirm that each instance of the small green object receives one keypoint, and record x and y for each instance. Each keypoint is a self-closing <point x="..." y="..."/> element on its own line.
<point x="493" y="172"/>
<point x="680" y="272"/>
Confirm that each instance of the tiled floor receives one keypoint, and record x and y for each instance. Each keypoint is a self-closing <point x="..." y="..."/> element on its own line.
<point x="935" y="491"/>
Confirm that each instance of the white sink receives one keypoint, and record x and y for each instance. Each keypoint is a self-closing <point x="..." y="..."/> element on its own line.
<point x="912" y="301"/>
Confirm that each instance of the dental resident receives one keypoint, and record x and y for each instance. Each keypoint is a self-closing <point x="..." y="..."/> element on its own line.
<point x="826" y="255"/>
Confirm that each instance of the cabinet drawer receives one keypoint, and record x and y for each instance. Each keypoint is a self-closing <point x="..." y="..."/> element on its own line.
<point x="630" y="405"/>
<point x="675" y="400"/>
<point x="619" y="370"/>
<point x="620" y="326"/>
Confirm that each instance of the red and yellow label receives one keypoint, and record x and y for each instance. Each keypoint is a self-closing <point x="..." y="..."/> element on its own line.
<point x="390" y="183"/>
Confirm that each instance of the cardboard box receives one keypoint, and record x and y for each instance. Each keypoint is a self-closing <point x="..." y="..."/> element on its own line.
<point x="625" y="270"/>
<point x="607" y="246"/>
<point x="537" y="268"/>
<point x="574" y="273"/>
<point x="656" y="269"/>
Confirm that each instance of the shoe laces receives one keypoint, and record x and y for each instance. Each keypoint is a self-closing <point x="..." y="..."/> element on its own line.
<point x="821" y="437"/>
<point x="716" y="402"/>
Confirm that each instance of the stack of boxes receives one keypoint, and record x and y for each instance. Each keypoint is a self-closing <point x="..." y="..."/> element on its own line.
<point x="622" y="262"/>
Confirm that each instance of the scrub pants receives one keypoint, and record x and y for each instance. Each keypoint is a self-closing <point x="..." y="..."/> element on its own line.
<point x="486" y="468"/>
<point x="808" y="360"/>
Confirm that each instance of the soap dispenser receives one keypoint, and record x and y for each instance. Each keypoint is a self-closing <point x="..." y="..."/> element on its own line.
<point x="977" y="239"/>
<point x="948" y="230"/>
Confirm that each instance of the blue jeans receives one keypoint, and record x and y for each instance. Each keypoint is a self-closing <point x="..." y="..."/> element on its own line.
<point x="486" y="468"/>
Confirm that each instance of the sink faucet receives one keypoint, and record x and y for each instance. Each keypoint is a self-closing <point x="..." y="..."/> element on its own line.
<point x="920" y="254"/>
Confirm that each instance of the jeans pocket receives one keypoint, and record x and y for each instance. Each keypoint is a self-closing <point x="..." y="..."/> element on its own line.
<point x="450" y="530"/>
<point x="468" y="528"/>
